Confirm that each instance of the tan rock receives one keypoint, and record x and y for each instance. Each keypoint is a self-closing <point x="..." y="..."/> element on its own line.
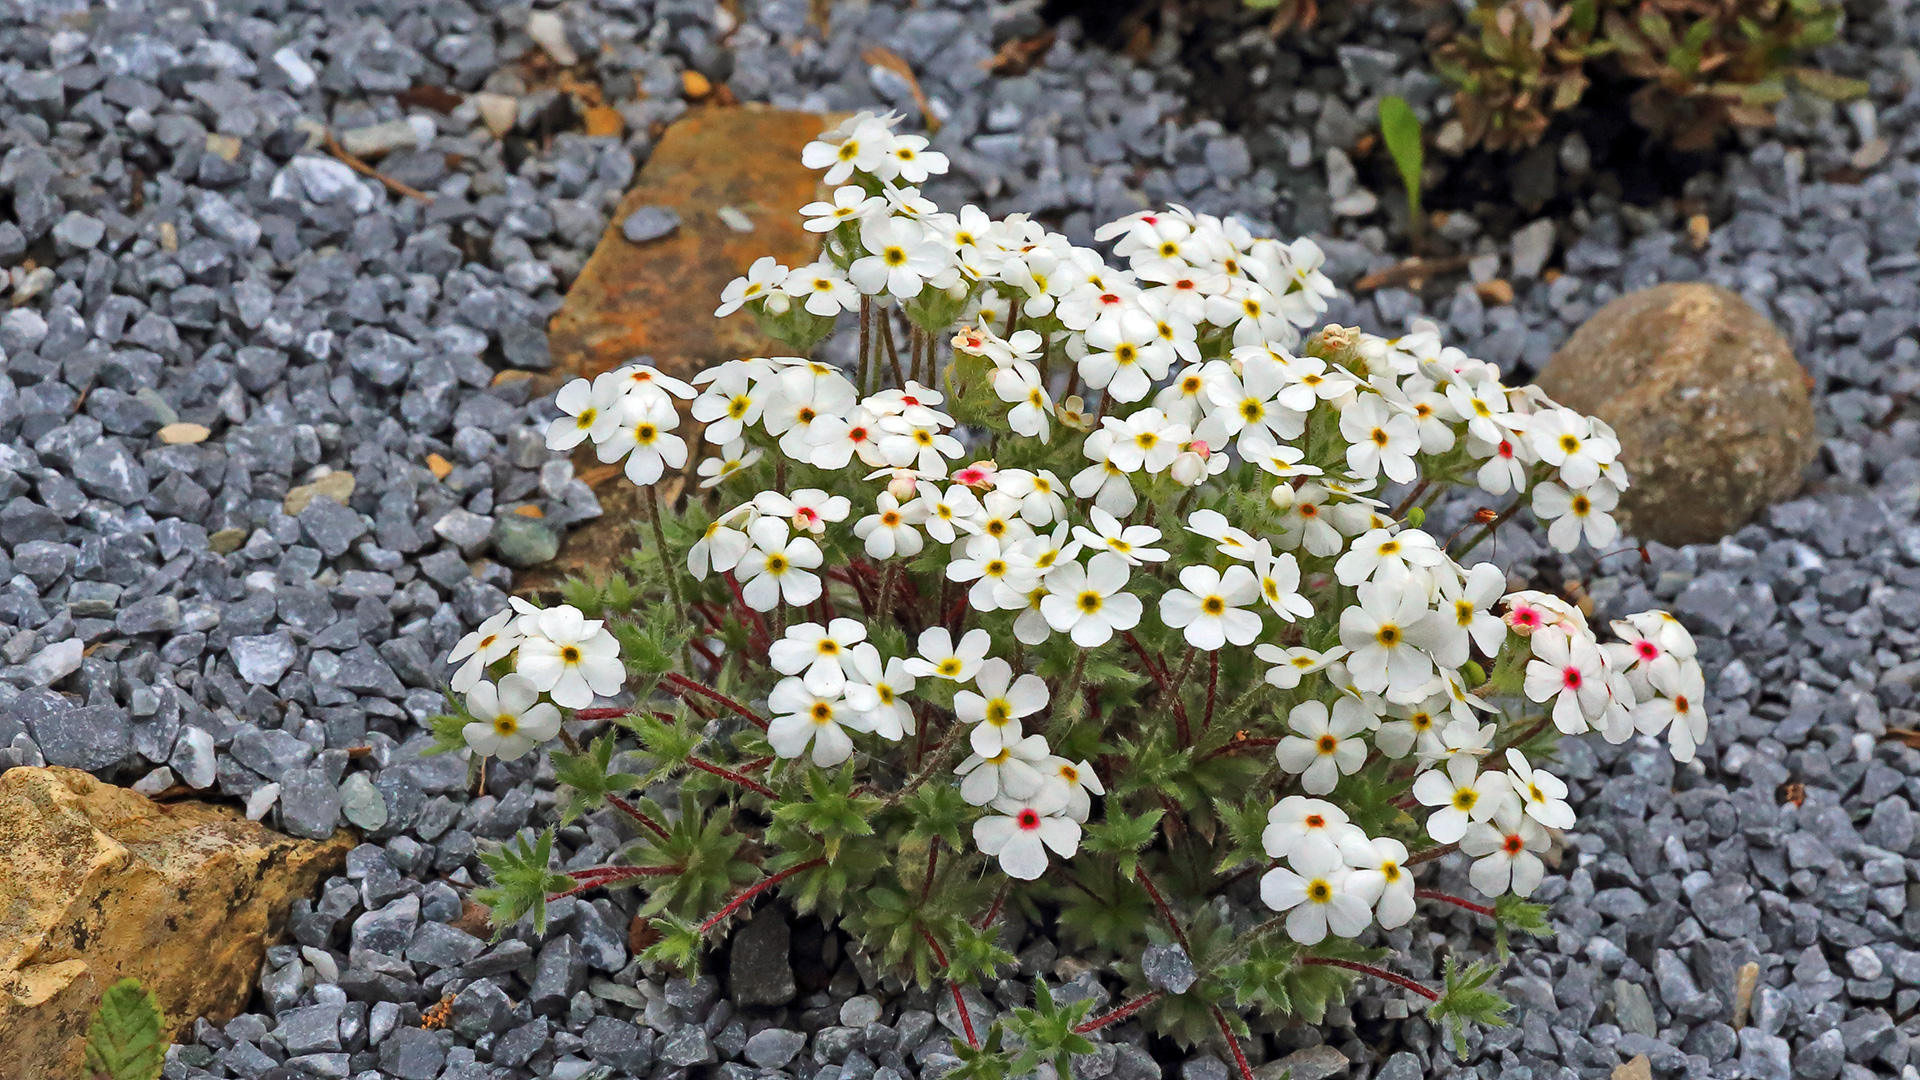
<point x="98" y="883"/>
<point x="1711" y="407"/>
<point x="498" y="111"/>
<point x="337" y="486"/>
<point x="1639" y="1068"/>
<point x="183" y="432"/>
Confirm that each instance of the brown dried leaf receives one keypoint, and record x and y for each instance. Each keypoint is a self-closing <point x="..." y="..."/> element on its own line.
<point x="438" y="98"/>
<point x="879" y="56"/>
<point x="1018" y="57"/>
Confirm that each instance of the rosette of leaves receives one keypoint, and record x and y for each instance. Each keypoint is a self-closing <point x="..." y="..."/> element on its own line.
<point x="1712" y="64"/>
<point x="1518" y="65"/>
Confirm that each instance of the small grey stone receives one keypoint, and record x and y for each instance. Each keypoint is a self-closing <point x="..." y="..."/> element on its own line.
<point x="151" y="615"/>
<point x="523" y="542"/>
<point x="332" y="527"/>
<point x="859" y="1011"/>
<point x="309" y="804"/>
<point x="760" y="973"/>
<point x="53" y="663"/>
<point x="772" y="1048"/>
<point x="465" y="530"/>
<point x="1167" y="967"/>
<point x="687" y="1045"/>
<point x="619" y="1044"/>
<point x="412" y="1053"/>
<point x="649" y="223"/>
<point x="1310" y="1063"/>
<point x="1401" y="1066"/>
<point x="313" y="1029"/>
<point x="93" y="737"/>
<point x="1822" y="1058"/>
<point x="79" y="230"/>
<point x="362" y="803"/>
<point x="263" y="659"/>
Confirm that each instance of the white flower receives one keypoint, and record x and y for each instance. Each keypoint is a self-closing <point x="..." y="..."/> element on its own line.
<point x="1144" y="440"/>
<point x="776" y="568"/>
<point x="1505" y="469"/>
<point x="850" y="203"/>
<point x="1542" y="794"/>
<point x="1380" y="439"/>
<point x="1380" y="552"/>
<point x="1080" y="782"/>
<point x="1679" y="705"/>
<point x="1325" y="745"/>
<point x="1038" y="493"/>
<point x="901" y="257"/>
<point x="876" y="689"/>
<point x="1001" y="579"/>
<point x="733" y="457"/>
<point x="836" y="439"/>
<point x="1087" y="602"/>
<point x="1021" y="386"/>
<point x="1380" y="876"/>
<point x="1020" y="839"/>
<point x="999" y="705"/>
<point x="592" y="410"/>
<point x="645" y="438"/>
<point x="1125" y="356"/>
<point x="889" y="530"/>
<point x="940" y="657"/>
<point x="1504" y="852"/>
<point x="903" y="445"/>
<point x="1464" y="795"/>
<point x="910" y="160"/>
<point x="822" y="288"/>
<point x="1566" y="440"/>
<point x="817" y="653"/>
<point x="723" y="544"/>
<point x="808" y="510"/>
<point x="796" y="398"/>
<point x="1279" y="581"/>
<point x="1315" y="889"/>
<point x="1232" y="542"/>
<point x="1577" y="512"/>
<point x="949" y="514"/>
<point x="1130" y="542"/>
<point x="764" y="276"/>
<point x="1464" y="616"/>
<point x="1307" y="521"/>
<point x="802" y="717"/>
<point x="1484" y="406"/>
<point x="1260" y="405"/>
<point x="1210" y="606"/>
<point x="862" y="142"/>
<point x="510" y="720"/>
<point x="1290" y="665"/>
<point x="1567" y="670"/>
<point x="1012" y="772"/>
<point x="570" y="658"/>
<point x="1413" y="725"/>
<point x="494" y="640"/>
<point x="730" y="404"/>
<point x="1103" y="481"/>
<point x="646" y="382"/>
<point x="1386" y="631"/>
<point x="1297" y="822"/>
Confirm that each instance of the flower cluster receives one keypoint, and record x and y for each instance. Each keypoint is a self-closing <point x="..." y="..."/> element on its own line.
<point x="1080" y="549"/>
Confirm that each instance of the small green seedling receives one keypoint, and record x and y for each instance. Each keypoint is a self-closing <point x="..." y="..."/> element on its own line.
<point x="1401" y="131"/>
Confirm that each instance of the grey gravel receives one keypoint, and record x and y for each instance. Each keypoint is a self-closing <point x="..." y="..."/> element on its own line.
<point x="649" y="223"/>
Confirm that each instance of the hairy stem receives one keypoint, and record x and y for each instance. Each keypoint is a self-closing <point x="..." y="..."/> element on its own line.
<point x="1456" y="901"/>
<point x="1115" y="1015"/>
<point x="1377" y="972"/>
<point x="595" y="877"/>
<point x="636" y="814"/>
<point x="959" y="1002"/>
<point x="682" y="683"/>
<point x="1166" y="912"/>
<point x="1430" y="854"/>
<point x="725" y="773"/>
<point x="1226" y="1032"/>
<point x="756" y="889"/>
<point x="1498" y="520"/>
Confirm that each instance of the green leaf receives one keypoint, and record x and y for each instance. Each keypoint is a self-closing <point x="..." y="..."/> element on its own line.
<point x="1512" y="913"/>
<point x="1400" y="129"/>
<point x="1046" y="1030"/>
<point x="586" y="779"/>
<point x="1123" y="836"/>
<point x="521" y="882"/>
<point x="1466" y="1000"/>
<point x="449" y="728"/>
<point x="124" y="1040"/>
<point x="1830" y="86"/>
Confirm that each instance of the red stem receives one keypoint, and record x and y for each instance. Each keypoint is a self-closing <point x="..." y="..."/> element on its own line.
<point x="733" y="905"/>
<point x="740" y="598"/>
<point x="933" y="864"/>
<point x="725" y="773"/>
<point x="959" y="1002"/>
<point x="603" y="713"/>
<point x="681" y="682"/>
<point x="1213" y="681"/>
<point x="1166" y="912"/>
<point x="1114" y="1016"/>
<point x="1430" y="854"/>
<point x="993" y="910"/>
<point x="1242" y="744"/>
<point x="597" y="876"/>
<point x="1159" y="676"/>
<point x="1239" y="1055"/>
<point x="1459" y="902"/>
<point x="1379" y="973"/>
<point x="636" y="814"/>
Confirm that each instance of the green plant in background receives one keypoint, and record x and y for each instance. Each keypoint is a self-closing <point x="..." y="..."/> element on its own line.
<point x="1400" y="130"/>
<point x="1704" y="65"/>
<point x="124" y="1040"/>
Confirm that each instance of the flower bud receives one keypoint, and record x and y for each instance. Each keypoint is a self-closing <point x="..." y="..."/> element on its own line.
<point x="1282" y="496"/>
<point x="902" y="485"/>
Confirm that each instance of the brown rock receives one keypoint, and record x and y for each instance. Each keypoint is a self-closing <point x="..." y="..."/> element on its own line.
<point x="337" y="486"/>
<point x="98" y="883"/>
<point x="1712" y="409"/>
<point x="657" y="299"/>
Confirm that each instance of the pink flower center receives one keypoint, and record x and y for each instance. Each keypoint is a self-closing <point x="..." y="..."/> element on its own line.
<point x="1647" y="650"/>
<point x="1028" y="820"/>
<point x="1571" y="677"/>
<point x="1506" y="449"/>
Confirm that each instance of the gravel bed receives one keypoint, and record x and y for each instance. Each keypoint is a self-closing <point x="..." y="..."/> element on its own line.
<point x="230" y="616"/>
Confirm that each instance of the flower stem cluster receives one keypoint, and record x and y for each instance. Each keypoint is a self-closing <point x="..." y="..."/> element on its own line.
<point x="1078" y="578"/>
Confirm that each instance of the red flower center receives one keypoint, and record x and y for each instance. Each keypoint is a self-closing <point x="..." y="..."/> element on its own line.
<point x="1028" y="820"/>
<point x="1514" y="845"/>
<point x="1572" y="678"/>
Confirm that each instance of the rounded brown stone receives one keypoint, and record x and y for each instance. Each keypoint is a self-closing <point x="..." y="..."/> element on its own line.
<point x="1712" y="409"/>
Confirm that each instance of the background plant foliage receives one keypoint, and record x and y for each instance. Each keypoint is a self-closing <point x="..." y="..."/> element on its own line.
<point x="1702" y="65"/>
